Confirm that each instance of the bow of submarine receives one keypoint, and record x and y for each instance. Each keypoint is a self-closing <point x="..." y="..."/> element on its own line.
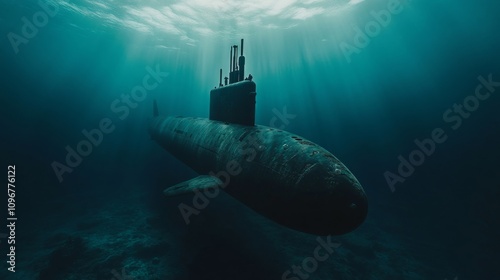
<point x="338" y="207"/>
<point x="325" y="200"/>
<point x="300" y="185"/>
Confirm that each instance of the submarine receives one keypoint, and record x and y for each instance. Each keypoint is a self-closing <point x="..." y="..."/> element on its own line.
<point x="282" y="176"/>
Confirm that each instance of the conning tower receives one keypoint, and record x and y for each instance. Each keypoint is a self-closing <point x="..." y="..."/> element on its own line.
<point x="234" y="101"/>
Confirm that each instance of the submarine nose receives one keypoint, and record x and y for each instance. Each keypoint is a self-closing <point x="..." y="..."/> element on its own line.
<point x="347" y="205"/>
<point x="332" y="203"/>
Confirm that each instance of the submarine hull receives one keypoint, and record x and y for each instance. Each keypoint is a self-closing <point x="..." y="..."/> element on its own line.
<point x="282" y="176"/>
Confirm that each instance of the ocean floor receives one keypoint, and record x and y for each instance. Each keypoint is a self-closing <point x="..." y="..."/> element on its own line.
<point x="141" y="237"/>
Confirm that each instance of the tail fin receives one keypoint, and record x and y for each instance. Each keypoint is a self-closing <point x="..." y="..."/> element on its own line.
<point x="155" y="109"/>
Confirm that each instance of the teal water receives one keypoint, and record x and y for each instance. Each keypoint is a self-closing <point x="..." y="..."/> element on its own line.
<point x="364" y="79"/>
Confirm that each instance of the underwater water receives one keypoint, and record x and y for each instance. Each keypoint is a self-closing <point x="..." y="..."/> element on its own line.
<point x="403" y="92"/>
